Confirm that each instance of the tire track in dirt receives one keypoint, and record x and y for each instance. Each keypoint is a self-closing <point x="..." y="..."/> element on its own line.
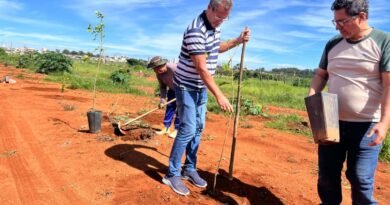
<point x="33" y="172"/>
<point x="22" y="176"/>
<point x="24" y="186"/>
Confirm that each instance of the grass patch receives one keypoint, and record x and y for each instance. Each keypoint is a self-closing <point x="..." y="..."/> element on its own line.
<point x="289" y="123"/>
<point x="68" y="107"/>
<point x="142" y="111"/>
<point x="208" y="138"/>
<point x="385" y="152"/>
<point x="82" y="77"/>
<point x="266" y="92"/>
<point x="20" y="76"/>
<point x="246" y="125"/>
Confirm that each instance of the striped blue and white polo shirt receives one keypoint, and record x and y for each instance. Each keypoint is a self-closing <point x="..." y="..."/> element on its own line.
<point x="199" y="38"/>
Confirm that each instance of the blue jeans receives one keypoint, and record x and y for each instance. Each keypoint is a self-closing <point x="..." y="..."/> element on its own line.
<point x="191" y="107"/>
<point x="361" y="164"/>
<point x="171" y="111"/>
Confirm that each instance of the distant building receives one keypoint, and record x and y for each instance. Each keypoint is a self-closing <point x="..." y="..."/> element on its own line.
<point x="43" y="50"/>
<point x="23" y="50"/>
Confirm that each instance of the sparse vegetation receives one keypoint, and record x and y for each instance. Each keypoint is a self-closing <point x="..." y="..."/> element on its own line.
<point x="8" y="153"/>
<point x="250" y="108"/>
<point x="207" y="138"/>
<point x="68" y="107"/>
<point x="142" y="111"/>
<point x="28" y="60"/>
<point x="82" y="77"/>
<point x="20" y="76"/>
<point x="385" y="152"/>
<point x="3" y="54"/>
<point x="246" y="125"/>
<point x="290" y="123"/>
<point x="4" y="57"/>
<point x="119" y="77"/>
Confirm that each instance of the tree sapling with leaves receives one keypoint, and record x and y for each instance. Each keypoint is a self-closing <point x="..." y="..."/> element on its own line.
<point x="95" y="116"/>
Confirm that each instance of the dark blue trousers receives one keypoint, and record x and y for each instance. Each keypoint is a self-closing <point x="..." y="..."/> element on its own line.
<point x="171" y="111"/>
<point x="361" y="163"/>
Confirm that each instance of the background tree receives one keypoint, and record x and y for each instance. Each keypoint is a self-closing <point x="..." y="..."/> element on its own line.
<point x="51" y="62"/>
<point x="136" y="62"/>
<point x="74" y="53"/>
<point x="66" y="51"/>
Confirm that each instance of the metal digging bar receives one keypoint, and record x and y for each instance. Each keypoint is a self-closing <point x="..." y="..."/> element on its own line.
<point x="117" y="126"/>
<point x="237" y="113"/>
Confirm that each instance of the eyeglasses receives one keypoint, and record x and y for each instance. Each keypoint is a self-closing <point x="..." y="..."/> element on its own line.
<point x="219" y="18"/>
<point x="342" y="22"/>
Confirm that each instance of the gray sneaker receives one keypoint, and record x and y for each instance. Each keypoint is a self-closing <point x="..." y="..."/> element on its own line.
<point x="163" y="131"/>
<point x="194" y="178"/>
<point x="176" y="184"/>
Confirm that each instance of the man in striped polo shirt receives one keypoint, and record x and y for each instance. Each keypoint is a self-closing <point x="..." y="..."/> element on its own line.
<point x="193" y="77"/>
<point x="356" y="65"/>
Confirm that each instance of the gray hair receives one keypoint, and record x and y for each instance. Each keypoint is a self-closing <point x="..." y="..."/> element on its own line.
<point x="352" y="7"/>
<point x="226" y="3"/>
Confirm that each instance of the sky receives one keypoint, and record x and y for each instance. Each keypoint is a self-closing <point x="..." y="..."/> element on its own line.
<point x="284" y="33"/>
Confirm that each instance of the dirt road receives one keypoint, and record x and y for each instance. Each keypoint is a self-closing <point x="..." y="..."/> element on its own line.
<point x="47" y="157"/>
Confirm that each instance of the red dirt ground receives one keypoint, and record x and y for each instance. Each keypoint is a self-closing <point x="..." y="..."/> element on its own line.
<point x="48" y="157"/>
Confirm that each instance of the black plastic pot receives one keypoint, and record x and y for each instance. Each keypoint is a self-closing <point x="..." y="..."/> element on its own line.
<point x="94" y="120"/>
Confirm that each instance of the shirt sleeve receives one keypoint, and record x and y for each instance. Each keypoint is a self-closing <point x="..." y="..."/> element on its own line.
<point x="385" y="61"/>
<point x="172" y="66"/>
<point x="163" y="89"/>
<point x="324" y="60"/>
<point x="329" y="45"/>
<point x="195" y="41"/>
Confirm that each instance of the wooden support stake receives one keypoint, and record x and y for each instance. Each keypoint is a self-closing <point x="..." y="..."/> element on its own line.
<point x="237" y="113"/>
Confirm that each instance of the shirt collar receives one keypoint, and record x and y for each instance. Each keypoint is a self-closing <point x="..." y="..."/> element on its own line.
<point x="206" y="21"/>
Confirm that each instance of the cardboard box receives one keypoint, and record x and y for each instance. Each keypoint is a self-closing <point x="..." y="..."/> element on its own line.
<point x="322" y="109"/>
